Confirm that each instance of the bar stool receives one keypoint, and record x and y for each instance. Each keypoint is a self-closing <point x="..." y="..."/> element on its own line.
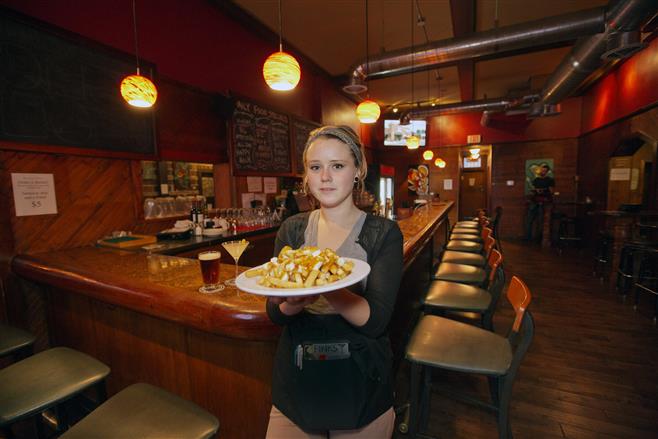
<point x="647" y="280"/>
<point x="464" y="245"/>
<point x="466" y="258"/>
<point x="45" y="380"/>
<point x="442" y="343"/>
<point x="15" y="342"/>
<point x="145" y="411"/>
<point x="445" y="296"/>
<point x="602" y="255"/>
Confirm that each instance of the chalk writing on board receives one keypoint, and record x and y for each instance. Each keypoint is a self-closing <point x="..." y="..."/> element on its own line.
<point x="302" y="130"/>
<point x="261" y="140"/>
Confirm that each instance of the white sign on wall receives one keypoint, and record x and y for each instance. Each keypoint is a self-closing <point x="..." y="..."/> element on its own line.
<point x="447" y="184"/>
<point x="620" y="174"/>
<point x="34" y="194"/>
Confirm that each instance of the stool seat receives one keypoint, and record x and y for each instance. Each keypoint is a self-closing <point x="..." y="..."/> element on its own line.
<point x="465" y="237"/>
<point x="466" y="258"/>
<point x="464" y="246"/>
<point x="13" y="339"/>
<point x="465" y="274"/>
<point x="458" y="297"/>
<point x="466" y="231"/>
<point x="145" y="411"/>
<point x="452" y="345"/>
<point x="468" y="224"/>
<point x="44" y="379"/>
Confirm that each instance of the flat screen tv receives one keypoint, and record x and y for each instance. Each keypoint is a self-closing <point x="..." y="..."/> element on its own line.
<point x="395" y="134"/>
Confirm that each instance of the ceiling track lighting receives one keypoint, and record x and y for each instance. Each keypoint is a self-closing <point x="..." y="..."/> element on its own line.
<point x="138" y="90"/>
<point x="281" y="70"/>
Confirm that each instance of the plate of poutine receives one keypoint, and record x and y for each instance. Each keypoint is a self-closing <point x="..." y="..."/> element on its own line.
<point x="302" y="272"/>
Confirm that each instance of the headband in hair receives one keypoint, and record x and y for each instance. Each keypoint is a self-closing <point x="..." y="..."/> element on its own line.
<point x="340" y="133"/>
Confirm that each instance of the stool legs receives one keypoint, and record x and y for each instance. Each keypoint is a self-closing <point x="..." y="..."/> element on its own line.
<point x="414" y="399"/>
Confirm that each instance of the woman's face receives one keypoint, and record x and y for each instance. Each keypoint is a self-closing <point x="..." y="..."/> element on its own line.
<point x="330" y="172"/>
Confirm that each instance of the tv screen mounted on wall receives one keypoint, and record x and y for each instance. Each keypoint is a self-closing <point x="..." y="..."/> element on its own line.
<point x="395" y="134"/>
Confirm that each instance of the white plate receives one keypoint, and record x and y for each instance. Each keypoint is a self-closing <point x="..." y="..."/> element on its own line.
<point x="250" y="284"/>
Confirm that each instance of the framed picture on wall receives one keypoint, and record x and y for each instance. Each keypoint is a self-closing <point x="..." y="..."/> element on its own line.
<point x="418" y="179"/>
<point x="533" y="170"/>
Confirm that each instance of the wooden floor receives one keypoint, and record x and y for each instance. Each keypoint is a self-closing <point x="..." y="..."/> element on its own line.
<point x="591" y="371"/>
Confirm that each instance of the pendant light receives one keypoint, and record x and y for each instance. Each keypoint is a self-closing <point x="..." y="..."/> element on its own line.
<point x="367" y="111"/>
<point x="413" y="142"/>
<point x="281" y="70"/>
<point x="138" y="90"/>
<point x="440" y="163"/>
<point x="428" y="155"/>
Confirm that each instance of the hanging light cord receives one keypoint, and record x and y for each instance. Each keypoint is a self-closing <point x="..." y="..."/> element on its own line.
<point x="412" y="54"/>
<point x="367" y="51"/>
<point x="135" y="34"/>
<point x="280" y="30"/>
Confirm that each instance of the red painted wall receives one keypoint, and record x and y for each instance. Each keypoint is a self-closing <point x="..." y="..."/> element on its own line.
<point x="453" y="129"/>
<point x="631" y="87"/>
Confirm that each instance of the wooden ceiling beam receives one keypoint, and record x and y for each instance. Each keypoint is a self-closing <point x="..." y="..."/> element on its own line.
<point x="462" y="13"/>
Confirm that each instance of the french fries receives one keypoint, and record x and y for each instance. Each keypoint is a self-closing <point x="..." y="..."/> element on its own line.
<point x="302" y="268"/>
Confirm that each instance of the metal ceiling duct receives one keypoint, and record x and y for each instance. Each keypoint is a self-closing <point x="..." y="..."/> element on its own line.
<point x="622" y="17"/>
<point x="533" y="34"/>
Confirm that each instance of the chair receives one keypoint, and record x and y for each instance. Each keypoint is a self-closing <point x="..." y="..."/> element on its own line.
<point x="15" y="342"/>
<point x="445" y="296"/>
<point x="45" y="380"/>
<point x="466" y="258"/>
<point x="145" y="411"/>
<point x="442" y="343"/>
<point x="463" y="245"/>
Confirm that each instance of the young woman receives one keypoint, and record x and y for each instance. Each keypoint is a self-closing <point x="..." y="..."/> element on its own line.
<point x="349" y="392"/>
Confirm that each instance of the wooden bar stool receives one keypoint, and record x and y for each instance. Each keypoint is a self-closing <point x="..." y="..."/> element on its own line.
<point x="45" y="380"/>
<point x="445" y="296"/>
<point x="442" y="343"/>
<point x="466" y="258"/>
<point x="15" y="342"/>
<point x="145" y="411"/>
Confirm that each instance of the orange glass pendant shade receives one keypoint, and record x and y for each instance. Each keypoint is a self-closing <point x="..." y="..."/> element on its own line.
<point x="368" y="111"/>
<point x="139" y="91"/>
<point x="428" y="155"/>
<point x="281" y="71"/>
<point x="440" y="163"/>
<point x="413" y="142"/>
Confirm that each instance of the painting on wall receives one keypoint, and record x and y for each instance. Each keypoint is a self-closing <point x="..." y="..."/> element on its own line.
<point x="533" y="169"/>
<point x="418" y="179"/>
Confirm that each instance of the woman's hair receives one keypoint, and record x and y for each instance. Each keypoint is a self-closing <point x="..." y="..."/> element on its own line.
<point x="346" y="135"/>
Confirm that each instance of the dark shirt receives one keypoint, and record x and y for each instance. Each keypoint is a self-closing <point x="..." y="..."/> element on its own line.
<point x="343" y="394"/>
<point x="541" y="189"/>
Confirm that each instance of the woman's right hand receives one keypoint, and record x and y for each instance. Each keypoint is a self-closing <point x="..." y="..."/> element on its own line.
<point x="293" y="305"/>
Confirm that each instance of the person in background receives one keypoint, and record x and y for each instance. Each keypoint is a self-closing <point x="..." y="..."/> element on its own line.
<point x="348" y="394"/>
<point x="540" y="194"/>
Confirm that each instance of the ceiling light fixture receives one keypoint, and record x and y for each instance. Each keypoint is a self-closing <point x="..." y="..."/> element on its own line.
<point x="367" y="111"/>
<point x="281" y="70"/>
<point x="138" y="90"/>
<point x="428" y="155"/>
<point x="440" y="163"/>
<point x="412" y="142"/>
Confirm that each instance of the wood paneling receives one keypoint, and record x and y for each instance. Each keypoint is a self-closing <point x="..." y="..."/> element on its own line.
<point x="508" y="163"/>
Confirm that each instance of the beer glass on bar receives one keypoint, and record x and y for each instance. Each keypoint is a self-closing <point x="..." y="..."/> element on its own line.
<point x="210" y="271"/>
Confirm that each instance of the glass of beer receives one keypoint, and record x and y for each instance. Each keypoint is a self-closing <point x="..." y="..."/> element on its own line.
<point x="210" y="271"/>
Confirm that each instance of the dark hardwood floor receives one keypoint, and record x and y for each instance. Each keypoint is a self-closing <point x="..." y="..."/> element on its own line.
<point x="591" y="371"/>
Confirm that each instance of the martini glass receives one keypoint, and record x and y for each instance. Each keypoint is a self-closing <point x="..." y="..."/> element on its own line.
<point x="235" y="249"/>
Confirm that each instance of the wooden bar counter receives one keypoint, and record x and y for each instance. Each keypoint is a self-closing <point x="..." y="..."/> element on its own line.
<point x="142" y="315"/>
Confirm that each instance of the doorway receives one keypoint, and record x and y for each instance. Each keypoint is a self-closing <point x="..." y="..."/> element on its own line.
<point x="473" y="186"/>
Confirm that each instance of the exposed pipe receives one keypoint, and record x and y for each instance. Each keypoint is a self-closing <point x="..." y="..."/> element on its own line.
<point x="585" y="57"/>
<point x="484" y="105"/>
<point x="500" y="41"/>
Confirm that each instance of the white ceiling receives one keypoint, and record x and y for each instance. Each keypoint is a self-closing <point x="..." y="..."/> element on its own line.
<point x="332" y="34"/>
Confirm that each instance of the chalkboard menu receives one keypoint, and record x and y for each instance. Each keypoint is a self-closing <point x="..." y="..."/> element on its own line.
<point x="59" y="89"/>
<point x="261" y="140"/>
<point x="302" y="129"/>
